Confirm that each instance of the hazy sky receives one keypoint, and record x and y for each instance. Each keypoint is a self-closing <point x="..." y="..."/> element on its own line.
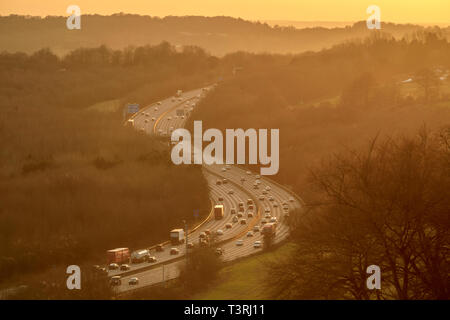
<point x="312" y="10"/>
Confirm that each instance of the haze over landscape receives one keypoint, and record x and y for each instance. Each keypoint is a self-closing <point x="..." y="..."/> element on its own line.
<point x="97" y="126"/>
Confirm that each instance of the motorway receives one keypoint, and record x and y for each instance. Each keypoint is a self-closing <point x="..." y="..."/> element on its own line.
<point x="161" y="118"/>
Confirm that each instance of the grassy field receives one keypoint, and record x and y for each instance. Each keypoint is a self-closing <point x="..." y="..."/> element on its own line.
<point x="245" y="279"/>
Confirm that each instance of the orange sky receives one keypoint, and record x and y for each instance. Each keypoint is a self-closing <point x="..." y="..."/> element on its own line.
<point x="425" y="11"/>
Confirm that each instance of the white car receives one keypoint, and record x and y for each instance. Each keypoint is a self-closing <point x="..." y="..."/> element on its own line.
<point x="124" y="267"/>
<point x="268" y="188"/>
<point x="174" y="251"/>
<point x="224" y="169"/>
<point x="258" y="176"/>
<point x="219" y="232"/>
<point x="257" y="244"/>
<point x="156" y="108"/>
<point x="113" y="266"/>
<point x="271" y="198"/>
<point x="273" y="219"/>
<point x="116" y="281"/>
<point x="250" y="234"/>
<point x="133" y="281"/>
<point x="159" y="103"/>
<point x="267" y="211"/>
<point x="240" y="242"/>
<point x="153" y="119"/>
<point x="231" y="191"/>
<point x="261" y="197"/>
<point x="249" y="173"/>
<point x="228" y="226"/>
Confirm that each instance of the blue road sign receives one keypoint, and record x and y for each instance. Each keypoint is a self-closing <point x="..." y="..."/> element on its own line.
<point x="133" y="108"/>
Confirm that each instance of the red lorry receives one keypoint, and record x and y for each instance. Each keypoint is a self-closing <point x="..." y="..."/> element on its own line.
<point x="118" y="255"/>
<point x="269" y="229"/>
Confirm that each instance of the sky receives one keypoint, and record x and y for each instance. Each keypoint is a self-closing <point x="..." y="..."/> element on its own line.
<point x="400" y="11"/>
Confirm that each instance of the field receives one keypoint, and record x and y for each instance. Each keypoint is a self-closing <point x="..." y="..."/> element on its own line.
<point x="245" y="279"/>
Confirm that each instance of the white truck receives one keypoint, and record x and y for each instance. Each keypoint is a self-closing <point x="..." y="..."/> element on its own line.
<point x="140" y="256"/>
<point x="177" y="236"/>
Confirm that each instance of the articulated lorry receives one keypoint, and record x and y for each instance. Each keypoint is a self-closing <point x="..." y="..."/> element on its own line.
<point x="218" y="211"/>
<point x="118" y="255"/>
<point x="177" y="236"/>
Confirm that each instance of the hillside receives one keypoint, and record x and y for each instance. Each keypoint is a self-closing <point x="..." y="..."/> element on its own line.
<point x="218" y="35"/>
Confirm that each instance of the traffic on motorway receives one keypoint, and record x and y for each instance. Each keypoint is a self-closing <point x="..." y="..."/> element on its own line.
<point x="245" y="207"/>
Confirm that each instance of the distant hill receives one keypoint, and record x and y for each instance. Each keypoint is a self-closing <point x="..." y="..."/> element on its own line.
<point x="218" y="35"/>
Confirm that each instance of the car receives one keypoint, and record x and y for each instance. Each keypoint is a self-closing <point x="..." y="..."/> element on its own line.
<point x="146" y="121"/>
<point x="258" y="176"/>
<point x="146" y="114"/>
<point x="255" y="186"/>
<point x="250" y="234"/>
<point x="219" y="232"/>
<point x="249" y="201"/>
<point x="263" y="222"/>
<point x="113" y="266"/>
<point x="151" y="259"/>
<point x="96" y="267"/>
<point x="124" y="267"/>
<point x="271" y="198"/>
<point x="240" y="215"/>
<point x="291" y="199"/>
<point x="284" y="204"/>
<point x="267" y="188"/>
<point x="241" y="204"/>
<point x="273" y="219"/>
<point x="241" y="209"/>
<point x="153" y="119"/>
<point x="190" y="245"/>
<point x="230" y="191"/>
<point x="261" y="197"/>
<point x="169" y="118"/>
<point x="202" y="235"/>
<point x="250" y="215"/>
<point x="156" y="108"/>
<point x="103" y="271"/>
<point x="203" y="243"/>
<point x="228" y="226"/>
<point x="182" y="117"/>
<point x="159" y="103"/>
<point x="159" y="248"/>
<point x="243" y="221"/>
<point x="219" y="251"/>
<point x="264" y="192"/>
<point x="240" y="242"/>
<point x="286" y="208"/>
<point x="218" y="182"/>
<point x="133" y="281"/>
<point x="248" y="172"/>
<point x="225" y="181"/>
<point x="258" y="182"/>
<point x="116" y="281"/>
<point x="160" y="131"/>
<point x="242" y="179"/>
<point x="174" y="251"/>
<point x="275" y="205"/>
<point x="233" y="211"/>
<point x="266" y="211"/>
<point x="267" y="216"/>
<point x="227" y="167"/>
<point x="256" y="229"/>
<point x="250" y="207"/>
<point x="235" y="219"/>
<point x="224" y="169"/>
<point x="208" y="232"/>
<point x="257" y="244"/>
<point x="220" y="198"/>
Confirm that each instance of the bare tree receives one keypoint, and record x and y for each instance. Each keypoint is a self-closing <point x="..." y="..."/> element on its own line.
<point x="388" y="206"/>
